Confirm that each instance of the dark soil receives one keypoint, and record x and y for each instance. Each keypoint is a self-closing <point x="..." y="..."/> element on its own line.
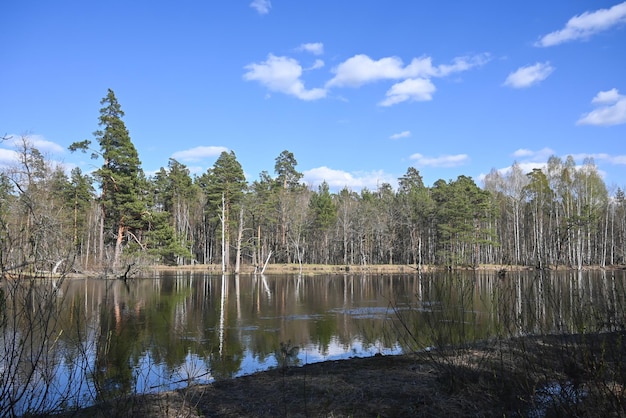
<point x="580" y="375"/>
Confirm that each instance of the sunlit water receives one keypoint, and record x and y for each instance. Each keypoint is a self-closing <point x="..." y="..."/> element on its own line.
<point x="150" y="335"/>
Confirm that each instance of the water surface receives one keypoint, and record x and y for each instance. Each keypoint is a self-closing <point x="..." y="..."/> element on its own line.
<point x="148" y="335"/>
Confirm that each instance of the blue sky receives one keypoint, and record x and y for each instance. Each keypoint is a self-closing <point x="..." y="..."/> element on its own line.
<point x="358" y="91"/>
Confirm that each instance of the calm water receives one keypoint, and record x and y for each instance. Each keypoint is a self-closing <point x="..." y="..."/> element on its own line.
<point x="149" y="335"/>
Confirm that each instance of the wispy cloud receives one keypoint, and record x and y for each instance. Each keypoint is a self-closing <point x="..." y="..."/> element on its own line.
<point x="602" y="157"/>
<point x="261" y="6"/>
<point x="585" y="25"/>
<point x="338" y="179"/>
<point x="282" y="74"/>
<point x="531" y="155"/>
<point x="403" y="134"/>
<point x="441" y="161"/>
<point x="412" y="89"/>
<point x="316" y="65"/>
<point x="315" y="48"/>
<point x="199" y="153"/>
<point x="528" y="76"/>
<point x="611" y="110"/>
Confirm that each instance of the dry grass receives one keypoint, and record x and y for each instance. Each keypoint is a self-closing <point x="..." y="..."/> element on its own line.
<point x="312" y="269"/>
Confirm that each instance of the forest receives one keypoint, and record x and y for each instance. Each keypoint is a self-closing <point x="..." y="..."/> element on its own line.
<point x="116" y="216"/>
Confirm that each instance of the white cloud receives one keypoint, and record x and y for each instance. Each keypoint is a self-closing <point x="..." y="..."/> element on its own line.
<point x="525" y="167"/>
<point x="44" y="145"/>
<point x="418" y="89"/>
<point x="196" y="169"/>
<point x="315" y="48"/>
<point x="36" y="141"/>
<point x="8" y="157"/>
<point x="403" y="134"/>
<point x="529" y="166"/>
<point x="522" y="152"/>
<point x="317" y="64"/>
<point x="338" y="179"/>
<point x="538" y="159"/>
<point x="585" y="25"/>
<point x="611" y="159"/>
<point x="540" y="155"/>
<point x="282" y="74"/>
<point x="460" y="64"/>
<point x="611" y="110"/>
<point x="261" y="6"/>
<point x="199" y="153"/>
<point x="361" y="69"/>
<point x="441" y="161"/>
<point x="47" y="148"/>
<point x="530" y="75"/>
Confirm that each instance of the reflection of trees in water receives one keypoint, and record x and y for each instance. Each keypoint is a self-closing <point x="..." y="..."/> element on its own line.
<point x="459" y="308"/>
<point x="150" y="333"/>
<point x="33" y="347"/>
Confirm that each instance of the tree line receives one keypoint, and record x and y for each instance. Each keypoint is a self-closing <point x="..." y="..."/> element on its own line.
<point x="562" y="215"/>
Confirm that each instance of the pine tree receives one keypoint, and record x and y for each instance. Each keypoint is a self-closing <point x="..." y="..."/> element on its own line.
<point x="224" y="186"/>
<point x="120" y="176"/>
<point x="174" y="196"/>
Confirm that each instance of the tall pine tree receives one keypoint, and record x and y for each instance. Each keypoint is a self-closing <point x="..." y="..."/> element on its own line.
<point x="120" y="178"/>
<point x="224" y="185"/>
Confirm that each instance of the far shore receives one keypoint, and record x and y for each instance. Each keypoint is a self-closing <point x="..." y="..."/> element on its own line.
<point x="294" y="268"/>
<point x="313" y="269"/>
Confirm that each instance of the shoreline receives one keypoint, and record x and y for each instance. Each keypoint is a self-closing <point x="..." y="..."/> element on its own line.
<point x="305" y="269"/>
<point x="313" y="269"/>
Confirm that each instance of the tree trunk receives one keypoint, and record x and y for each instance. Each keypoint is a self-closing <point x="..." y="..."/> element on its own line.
<point x="239" y="236"/>
<point x="118" y="244"/>
<point x="101" y="243"/>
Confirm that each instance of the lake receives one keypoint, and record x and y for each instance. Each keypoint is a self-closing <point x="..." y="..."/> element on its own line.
<point x="108" y="338"/>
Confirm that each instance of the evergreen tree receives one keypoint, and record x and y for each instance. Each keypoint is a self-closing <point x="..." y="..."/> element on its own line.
<point x="224" y="185"/>
<point x="79" y="192"/>
<point x="415" y="207"/>
<point x="289" y="192"/>
<point x="324" y="214"/>
<point x="285" y="168"/>
<point x="121" y="179"/>
<point x="261" y="205"/>
<point x="174" y="196"/>
<point x="463" y="211"/>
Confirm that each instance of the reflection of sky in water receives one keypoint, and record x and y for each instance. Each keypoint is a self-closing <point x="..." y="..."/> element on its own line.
<point x="202" y="321"/>
<point x="311" y="353"/>
<point x="152" y="377"/>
